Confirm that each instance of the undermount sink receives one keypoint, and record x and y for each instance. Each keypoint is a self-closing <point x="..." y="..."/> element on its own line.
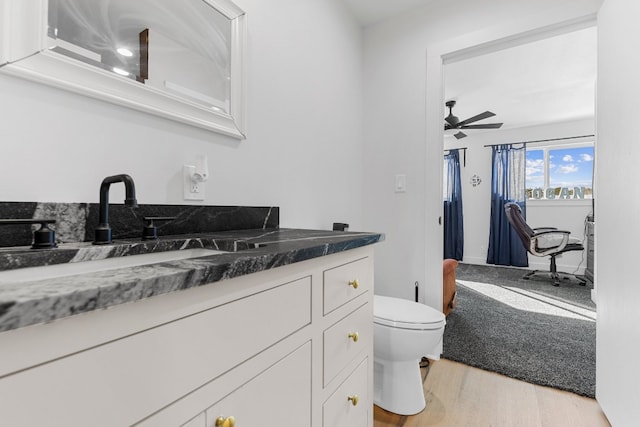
<point x="73" y="268"/>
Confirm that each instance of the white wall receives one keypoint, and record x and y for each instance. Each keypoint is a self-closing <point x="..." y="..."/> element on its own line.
<point x="617" y="213"/>
<point x="304" y="146"/>
<point x="397" y="139"/>
<point x="476" y="200"/>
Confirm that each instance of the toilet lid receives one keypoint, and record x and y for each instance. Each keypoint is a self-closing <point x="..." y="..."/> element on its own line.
<point x="401" y="313"/>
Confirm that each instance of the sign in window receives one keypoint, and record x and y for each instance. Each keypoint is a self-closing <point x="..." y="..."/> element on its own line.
<point x="560" y="173"/>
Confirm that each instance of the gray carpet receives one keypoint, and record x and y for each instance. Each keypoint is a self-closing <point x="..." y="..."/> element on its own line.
<point x="525" y="329"/>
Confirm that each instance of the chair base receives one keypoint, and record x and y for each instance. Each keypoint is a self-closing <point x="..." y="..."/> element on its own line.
<point x="555" y="277"/>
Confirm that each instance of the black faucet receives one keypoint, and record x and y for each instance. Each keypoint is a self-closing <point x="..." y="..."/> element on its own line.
<point x="103" y="230"/>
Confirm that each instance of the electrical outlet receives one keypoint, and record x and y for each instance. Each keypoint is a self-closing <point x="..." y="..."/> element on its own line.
<point x="191" y="190"/>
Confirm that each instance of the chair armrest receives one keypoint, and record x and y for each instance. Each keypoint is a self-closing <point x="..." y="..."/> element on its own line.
<point x="536" y="249"/>
<point x="543" y="229"/>
<point x="544" y="232"/>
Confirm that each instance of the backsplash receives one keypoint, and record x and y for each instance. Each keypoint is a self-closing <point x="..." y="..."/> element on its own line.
<point x="76" y="222"/>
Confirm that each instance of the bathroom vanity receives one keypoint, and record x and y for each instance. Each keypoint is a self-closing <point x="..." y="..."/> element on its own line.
<point x="200" y="341"/>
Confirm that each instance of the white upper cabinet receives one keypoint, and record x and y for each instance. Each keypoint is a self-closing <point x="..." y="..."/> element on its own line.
<point x="180" y="59"/>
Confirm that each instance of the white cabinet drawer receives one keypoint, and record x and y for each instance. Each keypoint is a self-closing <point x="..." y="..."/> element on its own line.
<point x="341" y="344"/>
<point x="339" y="409"/>
<point x="123" y="381"/>
<point x="346" y="282"/>
<point x="280" y="396"/>
<point x="199" y="421"/>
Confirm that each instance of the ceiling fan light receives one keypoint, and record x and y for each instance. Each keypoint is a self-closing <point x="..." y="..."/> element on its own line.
<point x="452" y="120"/>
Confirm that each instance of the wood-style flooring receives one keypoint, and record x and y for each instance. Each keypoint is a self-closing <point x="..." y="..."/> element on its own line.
<point x="461" y="396"/>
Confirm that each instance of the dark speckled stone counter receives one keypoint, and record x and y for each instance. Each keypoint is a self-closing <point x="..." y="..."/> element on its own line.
<point x="248" y="251"/>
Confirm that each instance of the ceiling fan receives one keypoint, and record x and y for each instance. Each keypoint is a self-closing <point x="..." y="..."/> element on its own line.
<point x="452" y="122"/>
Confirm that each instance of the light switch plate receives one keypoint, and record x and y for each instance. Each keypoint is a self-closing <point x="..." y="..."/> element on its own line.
<point x="401" y="183"/>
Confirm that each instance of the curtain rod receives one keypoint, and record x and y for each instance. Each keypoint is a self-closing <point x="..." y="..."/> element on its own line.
<point x="459" y="148"/>
<point x="464" y="154"/>
<point x="540" y="140"/>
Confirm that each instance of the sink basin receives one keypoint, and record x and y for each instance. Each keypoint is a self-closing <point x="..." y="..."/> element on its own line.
<point x="69" y="269"/>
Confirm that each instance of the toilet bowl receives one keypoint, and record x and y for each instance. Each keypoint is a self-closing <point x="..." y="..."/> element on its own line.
<point x="403" y="332"/>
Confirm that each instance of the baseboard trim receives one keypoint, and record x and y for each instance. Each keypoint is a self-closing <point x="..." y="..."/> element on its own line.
<point x="543" y="266"/>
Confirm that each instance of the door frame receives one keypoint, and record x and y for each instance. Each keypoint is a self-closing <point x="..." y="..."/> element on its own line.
<point x="564" y="19"/>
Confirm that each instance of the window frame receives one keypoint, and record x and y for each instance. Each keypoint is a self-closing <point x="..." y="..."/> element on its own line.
<point x="546" y="147"/>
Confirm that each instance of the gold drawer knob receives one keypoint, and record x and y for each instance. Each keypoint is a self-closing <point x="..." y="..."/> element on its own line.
<point x="354" y="283"/>
<point x="353" y="399"/>
<point x="225" y="422"/>
<point x="354" y="336"/>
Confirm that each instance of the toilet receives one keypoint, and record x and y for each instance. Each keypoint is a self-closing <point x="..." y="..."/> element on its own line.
<point x="403" y="332"/>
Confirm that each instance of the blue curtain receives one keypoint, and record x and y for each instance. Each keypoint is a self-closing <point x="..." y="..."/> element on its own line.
<point x="453" y="226"/>
<point x="507" y="185"/>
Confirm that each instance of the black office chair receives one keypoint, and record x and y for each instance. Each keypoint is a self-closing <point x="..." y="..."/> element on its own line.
<point x="544" y="241"/>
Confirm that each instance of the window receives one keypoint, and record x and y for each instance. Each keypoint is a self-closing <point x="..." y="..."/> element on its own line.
<point x="560" y="173"/>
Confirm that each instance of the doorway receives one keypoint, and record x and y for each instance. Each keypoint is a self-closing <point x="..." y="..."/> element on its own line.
<point x="481" y="79"/>
<point x="448" y="51"/>
<point x="542" y="89"/>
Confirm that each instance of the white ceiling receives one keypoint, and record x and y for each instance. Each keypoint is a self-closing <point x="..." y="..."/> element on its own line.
<point x="546" y="81"/>
<point x="371" y="11"/>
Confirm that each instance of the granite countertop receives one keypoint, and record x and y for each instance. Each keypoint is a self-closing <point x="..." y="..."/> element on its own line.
<point x="248" y="251"/>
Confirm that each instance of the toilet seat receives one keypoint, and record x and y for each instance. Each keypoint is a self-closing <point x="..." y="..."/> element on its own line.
<point x="405" y="314"/>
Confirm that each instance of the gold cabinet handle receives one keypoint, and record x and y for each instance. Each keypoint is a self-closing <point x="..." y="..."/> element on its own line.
<point x="354" y="283"/>
<point x="354" y="336"/>
<point x="225" y="422"/>
<point x="353" y="399"/>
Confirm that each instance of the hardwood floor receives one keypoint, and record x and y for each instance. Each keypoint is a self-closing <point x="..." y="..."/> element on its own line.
<point x="461" y="396"/>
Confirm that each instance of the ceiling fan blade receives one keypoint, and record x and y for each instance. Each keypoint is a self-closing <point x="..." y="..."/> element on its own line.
<point x="483" y="126"/>
<point x="460" y="135"/>
<point x="480" y="116"/>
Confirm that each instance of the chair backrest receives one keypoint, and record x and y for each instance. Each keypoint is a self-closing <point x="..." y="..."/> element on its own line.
<point x="515" y="218"/>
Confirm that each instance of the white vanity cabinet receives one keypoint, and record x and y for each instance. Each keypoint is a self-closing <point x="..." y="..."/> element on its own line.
<point x="347" y="351"/>
<point x="291" y="346"/>
<point x="355" y="414"/>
